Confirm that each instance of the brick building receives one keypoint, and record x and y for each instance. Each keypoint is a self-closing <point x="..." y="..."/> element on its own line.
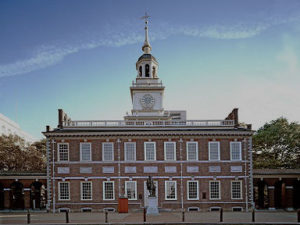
<point x="195" y="164"/>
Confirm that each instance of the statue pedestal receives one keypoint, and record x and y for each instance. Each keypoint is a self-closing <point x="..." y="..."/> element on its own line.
<point x="152" y="208"/>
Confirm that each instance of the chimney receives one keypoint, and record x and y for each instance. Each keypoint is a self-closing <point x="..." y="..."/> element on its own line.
<point x="60" y="118"/>
<point x="234" y="115"/>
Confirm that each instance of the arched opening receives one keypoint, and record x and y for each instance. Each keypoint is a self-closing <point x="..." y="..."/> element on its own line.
<point x="261" y="195"/>
<point x="147" y="70"/>
<point x="278" y="194"/>
<point x="140" y="71"/>
<point x="17" y="195"/>
<point x="153" y="71"/>
<point x="36" y="195"/>
<point x="296" y="194"/>
<point x="1" y="196"/>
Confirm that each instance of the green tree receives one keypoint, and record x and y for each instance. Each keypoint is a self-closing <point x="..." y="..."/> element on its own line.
<point x="16" y="155"/>
<point x="277" y="145"/>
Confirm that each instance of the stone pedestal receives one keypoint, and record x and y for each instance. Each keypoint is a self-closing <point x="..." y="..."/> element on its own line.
<point x="152" y="208"/>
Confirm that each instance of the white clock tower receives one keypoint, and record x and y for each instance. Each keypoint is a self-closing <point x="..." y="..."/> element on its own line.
<point x="147" y="91"/>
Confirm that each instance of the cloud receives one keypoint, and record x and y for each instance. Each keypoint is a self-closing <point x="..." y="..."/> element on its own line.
<point x="48" y="55"/>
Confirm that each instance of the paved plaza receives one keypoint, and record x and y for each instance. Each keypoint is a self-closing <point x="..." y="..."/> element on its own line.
<point x="133" y="218"/>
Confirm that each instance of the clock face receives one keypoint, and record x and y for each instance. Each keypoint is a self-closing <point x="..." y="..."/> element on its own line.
<point x="147" y="101"/>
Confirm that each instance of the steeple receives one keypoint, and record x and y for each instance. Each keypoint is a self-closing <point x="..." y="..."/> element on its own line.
<point x="146" y="47"/>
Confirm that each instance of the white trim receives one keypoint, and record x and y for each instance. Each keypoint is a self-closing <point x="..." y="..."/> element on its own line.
<point x="81" y="191"/>
<point x="219" y="190"/>
<point x="149" y="142"/>
<point x="188" y="190"/>
<point x="67" y="182"/>
<point x="187" y="149"/>
<point x="113" y="152"/>
<point x="241" y="187"/>
<point x="218" y="150"/>
<point x="240" y="149"/>
<point x="125" y="150"/>
<point x="113" y="187"/>
<point x="135" y="186"/>
<point x="58" y="157"/>
<point x="81" y="151"/>
<point x="174" y="150"/>
<point x="171" y="181"/>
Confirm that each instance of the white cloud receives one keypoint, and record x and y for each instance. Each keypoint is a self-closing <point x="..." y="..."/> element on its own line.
<point x="49" y="55"/>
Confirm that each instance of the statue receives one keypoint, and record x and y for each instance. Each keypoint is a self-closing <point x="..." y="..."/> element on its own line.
<point x="151" y="187"/>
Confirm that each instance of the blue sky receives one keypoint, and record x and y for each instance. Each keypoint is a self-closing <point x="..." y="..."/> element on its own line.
<point x="213" y="56"/>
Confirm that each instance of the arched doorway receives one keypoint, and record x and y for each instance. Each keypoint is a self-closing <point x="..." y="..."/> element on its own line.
<point x="1" y="197"/>
<point x="278" y="195"/>
<point x="17" y="195"/>
<point x="35" y="195"/>
<point x="296" y="194"/>
<point x="262" y="195"/>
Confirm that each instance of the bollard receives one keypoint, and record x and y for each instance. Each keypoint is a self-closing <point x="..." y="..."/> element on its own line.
<point x="253" y="215"/>
<point x="144" y="214"/>
<point x="298" y="213"/>
<point x="67" y="216"/>
<point x="221" y="215"/>
<point x="106" y="216"/>
<point x="183" y="216"/>
<point x="28" y="216"/>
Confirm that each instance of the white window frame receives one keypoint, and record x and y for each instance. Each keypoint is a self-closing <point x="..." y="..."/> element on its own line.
<point x="125" y="151"/>
<point x="58" y="155"/>
<point x="174" y="150"/>
<point x="241" y="189"/>
<point x="81" y="190"/>
<point x="188" y="190"/>
<point x="113" y="151"/>
<point x="240" y="144"/>
<point x="113" y="186"/>
<point x="59" y="194"/>
<point x="135" y="188"/>
<point x="145" y="155"/>
<point x="86" y="160"/>
<point x="166" y="197"/>
<point x="218" y="151"/>
<point x="187" y="151"/>
<point x="211" y="181"/>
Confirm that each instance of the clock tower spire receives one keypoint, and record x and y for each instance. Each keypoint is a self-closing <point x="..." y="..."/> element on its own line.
<point x="147" y="91"/>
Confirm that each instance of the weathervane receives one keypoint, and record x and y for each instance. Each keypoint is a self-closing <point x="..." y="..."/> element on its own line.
<point x="145" y="18"/>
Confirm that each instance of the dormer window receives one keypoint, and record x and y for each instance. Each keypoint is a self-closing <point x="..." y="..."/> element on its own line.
<point x="140" y="71"/>
<point x="147" y="70"/>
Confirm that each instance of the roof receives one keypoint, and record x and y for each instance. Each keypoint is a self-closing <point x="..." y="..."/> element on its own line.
<point x="276" y="172"/>
<point x="147" y="57"/>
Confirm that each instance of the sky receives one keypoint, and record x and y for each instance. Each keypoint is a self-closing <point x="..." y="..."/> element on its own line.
<point x="213" y="56"/>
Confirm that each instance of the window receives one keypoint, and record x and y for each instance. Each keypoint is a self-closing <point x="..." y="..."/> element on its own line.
<point x="85" y="151"/>
<point x="214" y="151"/>
<point x="235" y="151"/>
<point x="86" y="190"/>
<point x="147" y="69"/>
<point x="170" y="190"/>
<point x="170" y="151"/>
<point x="63" y="191"/>
<point x="107" y="151"/>
<point x="192" y="150"/>
<point x="214" y="190"/>
<point x="130" y="151"/>
<point x="108" y="190"/>
<point x="192" y="187"/>
<point x="150" y="151"/>
<point x="130" y="190"/>
<point x="236" y="189"/>
<point x="140" y="71"/>
<point x="63" y="151"/>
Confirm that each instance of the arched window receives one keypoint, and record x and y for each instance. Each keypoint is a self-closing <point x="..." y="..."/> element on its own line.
<point x="153" y="72"/>
<point x="140" y="71"/>
<point x="147" y="70"/>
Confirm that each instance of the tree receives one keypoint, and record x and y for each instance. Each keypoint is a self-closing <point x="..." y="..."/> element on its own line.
<point x="18" y="156"/>
<point x="277" y="145"/>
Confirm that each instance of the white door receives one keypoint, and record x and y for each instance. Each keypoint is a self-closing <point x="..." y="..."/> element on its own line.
<point x="146" y="192"/>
